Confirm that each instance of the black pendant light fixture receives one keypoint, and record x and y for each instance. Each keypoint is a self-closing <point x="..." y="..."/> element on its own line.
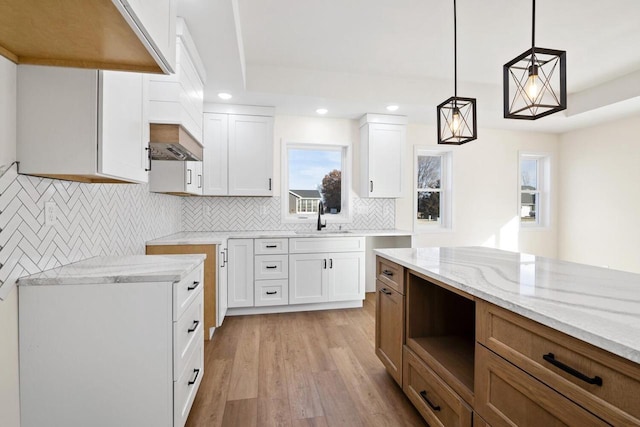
<point x="535" y="83"/>
<point x="456" y="116"/>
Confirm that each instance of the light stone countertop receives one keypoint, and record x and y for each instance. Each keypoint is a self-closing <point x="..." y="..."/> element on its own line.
<point x="219" y="237"/>
<point x="596" y="305"/>
<point x="118" y="269"/>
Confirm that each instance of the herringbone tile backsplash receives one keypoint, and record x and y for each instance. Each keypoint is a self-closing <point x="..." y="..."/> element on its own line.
<point x="93" y="219"/>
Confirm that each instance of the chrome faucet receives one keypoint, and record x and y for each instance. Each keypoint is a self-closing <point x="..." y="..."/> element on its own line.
<point x="320" y="209"/>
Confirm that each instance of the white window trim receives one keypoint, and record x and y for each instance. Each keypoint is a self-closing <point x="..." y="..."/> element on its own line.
<point x="446" y="192"/>
<point x="543" y="216"/>
<point x="346" y="215"/>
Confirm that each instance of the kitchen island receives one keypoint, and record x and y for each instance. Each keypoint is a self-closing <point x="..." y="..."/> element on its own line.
<point x="505" y="338"/>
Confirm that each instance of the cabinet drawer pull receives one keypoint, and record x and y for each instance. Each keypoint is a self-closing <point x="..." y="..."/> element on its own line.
<point x="423" y="394"/>
<point x="385" y="291"/>
<point x="272" y="266"/>
<point x="272" y="292"/>
<point x="387" y="273"/>
<point x="330" y="262"/>
<point x="271" y="246"/>
<point x="195" y="285"/>
<point x="325" y="264"/>
<point x="193" y="381"/>
<point x="551" y="358"/>
<point x="194" y="327"/>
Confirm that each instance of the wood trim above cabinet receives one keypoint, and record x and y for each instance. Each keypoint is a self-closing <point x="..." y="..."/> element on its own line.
<point x="174" y="134"/>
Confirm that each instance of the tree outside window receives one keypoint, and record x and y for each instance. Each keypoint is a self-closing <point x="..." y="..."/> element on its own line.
<point x="429" y="188"/>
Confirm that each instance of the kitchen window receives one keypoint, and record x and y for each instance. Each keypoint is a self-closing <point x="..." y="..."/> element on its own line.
<point x="433" y="190"/>
<point x="313" y="174"/>
<point x="533" y="188"/>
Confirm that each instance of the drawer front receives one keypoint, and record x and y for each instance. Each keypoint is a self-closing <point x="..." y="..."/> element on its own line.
<point x="188" y="332"/>
<point x="185" y="291"/>
<point x="271" y="246"/>
<point x="186" y="387"/>
<point x="326" y="244"/>
<point x="438" y="404"/>
<point x="549" y="355"/>
<point x="271" y="292"/>
<point x="478" y="421"/>
<point x="390" y="273"/>
<point x="390" y="329"/>
<point x="269" y="267"/>
<point x="508" y="396"/>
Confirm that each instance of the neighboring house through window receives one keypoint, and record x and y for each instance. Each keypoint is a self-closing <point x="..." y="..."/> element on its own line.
<point x="533" y="186"/>
<point x="433" y="189"/>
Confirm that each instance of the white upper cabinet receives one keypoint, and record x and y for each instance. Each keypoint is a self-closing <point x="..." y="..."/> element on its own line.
<point x="176" y="177"/>
<point x="238" y="155"/>
<point x="382" y="145"/>
<point x="82" y="125"/>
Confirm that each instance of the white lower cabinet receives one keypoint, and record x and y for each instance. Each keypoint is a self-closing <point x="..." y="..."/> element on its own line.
<point x="346" y="276"/>
<point x="240" y="273"/>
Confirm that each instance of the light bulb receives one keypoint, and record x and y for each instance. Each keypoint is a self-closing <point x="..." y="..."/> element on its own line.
<point x="532" y="87"/>
<point x="455" y="121"/>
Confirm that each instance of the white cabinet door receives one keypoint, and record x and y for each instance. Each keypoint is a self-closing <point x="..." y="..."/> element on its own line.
<point x="193" y="177"/>
<point x="215" y="154"/>
<point x="346" y="276"/>
<point x="221" y="283"/>
<point x="122" y="149"/>
<point x="308" y="278"/>
<point x="382" y="162"/>
<point x="250" y="155"/>
<point x="240" y="273"/>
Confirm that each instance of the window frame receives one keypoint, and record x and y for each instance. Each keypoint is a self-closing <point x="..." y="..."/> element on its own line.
<point x="345" y="215"/>
<point x="543" y="189"/>
<point x="446" y="189"/>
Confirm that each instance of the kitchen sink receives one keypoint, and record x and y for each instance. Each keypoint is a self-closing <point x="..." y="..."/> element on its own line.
<point x="323" y="232"/>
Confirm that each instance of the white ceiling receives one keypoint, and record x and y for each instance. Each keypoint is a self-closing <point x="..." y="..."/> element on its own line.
<point x="357" y="56"/>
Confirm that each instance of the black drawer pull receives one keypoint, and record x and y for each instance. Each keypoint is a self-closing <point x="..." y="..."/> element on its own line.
<point x="195" y="285"/>
<point x="272" y="292"/>
<point x="272" y="266"/>
<point x="385" y="291"/>
<point x="192" y="382"/>
<point x="423" y="393"/>
<point x="194" y="327"/>
<point x="387" y="273"/>
<point x="271" y="246"/>
<point x="568" y="369"/>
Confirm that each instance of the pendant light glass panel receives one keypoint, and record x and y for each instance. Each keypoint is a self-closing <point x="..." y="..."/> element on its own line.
<point x="457" y="121"/>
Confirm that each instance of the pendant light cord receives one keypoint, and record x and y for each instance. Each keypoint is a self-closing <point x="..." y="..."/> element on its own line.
<point x="455" y="54"/>
<point x="533" y="25"/>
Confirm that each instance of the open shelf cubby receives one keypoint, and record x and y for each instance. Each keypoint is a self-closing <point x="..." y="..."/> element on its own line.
<point x="441" y="329"/>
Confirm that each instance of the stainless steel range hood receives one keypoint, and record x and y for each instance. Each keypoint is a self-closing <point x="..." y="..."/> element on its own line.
<point x="173" y="142"/>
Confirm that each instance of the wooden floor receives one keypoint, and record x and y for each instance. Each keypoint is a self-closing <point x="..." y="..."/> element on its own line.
<point x="299" y="369"/>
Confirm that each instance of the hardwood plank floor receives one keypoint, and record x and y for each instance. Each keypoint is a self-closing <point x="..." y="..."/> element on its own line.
<point x="313" y="368"/>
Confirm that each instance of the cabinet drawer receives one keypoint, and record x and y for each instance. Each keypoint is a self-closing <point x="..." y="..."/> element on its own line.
<point x="188" y="332"/>
<point x="390" y="273"/>
<point x="438" y="404"/>
<point x="390" y="329"/>
<point x="271" y="246"/>
<point x="271" y="267"/>
<point x="542" y="352"/>
<point x="186" y="387"/>
<point x="186" y="290"/>
<point x="326" y="244"/>
<point x="508" y="396"/>
<point x="271" y="292"/>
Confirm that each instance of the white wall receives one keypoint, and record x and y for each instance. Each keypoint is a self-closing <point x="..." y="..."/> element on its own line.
<point x="485" y="191"/>
<point x="9" y="382"/>
<point x="599" y="211"/>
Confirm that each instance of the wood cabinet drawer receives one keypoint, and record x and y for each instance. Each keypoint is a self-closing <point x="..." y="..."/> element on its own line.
<point x="436" y="401"/>
<point x="390" y="273"/>
<point x="390" y="329"/>
<point x="186" y="387"/>
<point x="271" y="292"/>
<point x="326" y="244"/>
<point x="186" y="290"/>
<point x="269" y="267"/>
<point x="271" y="246"/>
<point x="188" y="332"/>
<point x="559" y="360"/>
<point x="507" y="396"/>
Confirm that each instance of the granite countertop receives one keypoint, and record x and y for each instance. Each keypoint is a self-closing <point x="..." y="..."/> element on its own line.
<point x="219" y="237"/>
<point x="118" y="269"/>
<point x="596" y="305"/>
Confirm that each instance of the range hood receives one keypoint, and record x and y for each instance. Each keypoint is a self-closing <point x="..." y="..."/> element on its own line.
<point x="173" y="142"/>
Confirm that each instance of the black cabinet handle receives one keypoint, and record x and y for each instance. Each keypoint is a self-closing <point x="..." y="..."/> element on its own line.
<point x="325" y="264"/>
<point x="370" y="186"/>
<point x="423" y="393"/>
<point x="387" y="273"/>
<point x="269" y="184"/>
<point x="149" y="158"/>
<point x="199" y="181"/>
<point x="330" y="262"/>
<point x="272" y="292"/>
<point x="190" y="177"/>
<point x="197" y="372"/>
<point x="194" y="327"/>
<point x="385" y="291"/>
<point x="195" y="285"/>
<point x="272" y="266"/>
<point x="551" y="358"/>
<point x="271" y="246"/>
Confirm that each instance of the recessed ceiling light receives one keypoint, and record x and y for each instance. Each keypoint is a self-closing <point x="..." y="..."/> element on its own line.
<point x="322" y="111"/>
<point x="225" y="95"/>
<point x="392" y="107"/>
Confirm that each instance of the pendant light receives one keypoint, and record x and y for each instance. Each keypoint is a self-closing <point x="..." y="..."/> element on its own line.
<point x="535" y="82"/>
<point x="457" y="115"/>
